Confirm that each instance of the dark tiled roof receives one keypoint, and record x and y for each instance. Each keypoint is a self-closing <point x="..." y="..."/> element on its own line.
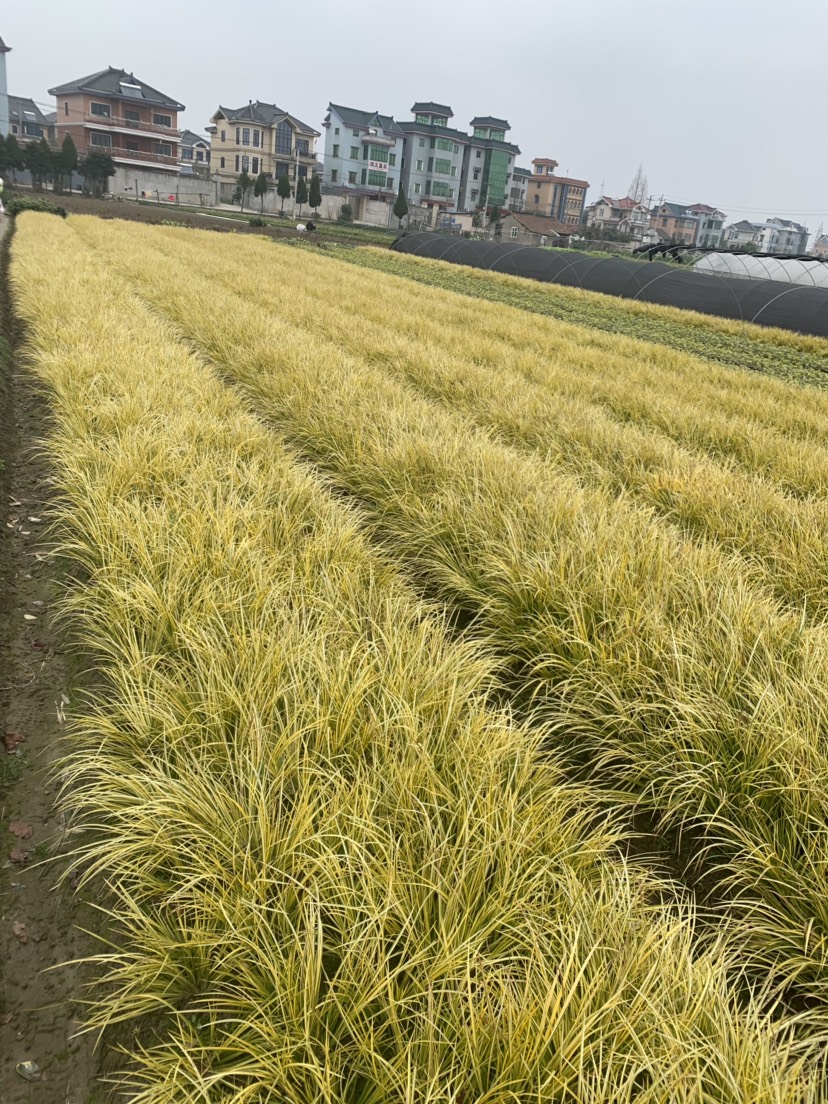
<point x="353" y="117"/>
<point x="525" y="173"/>
<point x="4" y="49"/>
<point x="489" y="121"/>
<point x="190" y="138"/>
<point x="677" y="210"/>
<point x="432" y="108"/>
<point x="21" y="108"/>
<point x="429" y="128"/>
<point x="108" y="83"/>
<point x="267" y="114"/>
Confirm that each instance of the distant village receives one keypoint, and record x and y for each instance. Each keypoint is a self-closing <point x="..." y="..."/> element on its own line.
<point x="453" y="179"/>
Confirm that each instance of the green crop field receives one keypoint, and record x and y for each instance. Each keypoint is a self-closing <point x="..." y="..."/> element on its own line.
<point x="461" y="728"/>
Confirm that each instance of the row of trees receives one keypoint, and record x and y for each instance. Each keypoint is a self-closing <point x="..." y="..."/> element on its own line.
<point x="58" y="165"/>
<point x="311" y="195"/>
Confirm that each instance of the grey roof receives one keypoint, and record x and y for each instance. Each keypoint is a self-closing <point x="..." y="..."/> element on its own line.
<point x="489" y="121"/>
<point x="21" y="108"/>
<point x="745" y="226"/>
<point x="190" y="138"/>
<point x="4" y="49"/>
<point x="521" y="172"/>
<point x="354" y="117"/>
<point x="432" y="108"/>
<point x="494" y="143"/>
<point x="255" y="111"/>
<point x="411" y="127"/>
<point x="108" y="83"/>
<point x="677" y="210"/>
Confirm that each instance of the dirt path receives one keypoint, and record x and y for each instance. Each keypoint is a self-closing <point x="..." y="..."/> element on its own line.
<point x="37" y="918"/>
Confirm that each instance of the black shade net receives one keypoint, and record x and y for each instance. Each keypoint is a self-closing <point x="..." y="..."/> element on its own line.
<point x="765" y="302"/>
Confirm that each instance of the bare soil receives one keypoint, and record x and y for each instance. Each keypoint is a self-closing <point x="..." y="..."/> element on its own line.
<point x="40" y="915"/>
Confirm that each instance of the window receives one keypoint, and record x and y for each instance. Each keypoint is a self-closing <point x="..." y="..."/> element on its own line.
<point x="33" y="130"/>
<point x="445" y="144"/>
<point x="474" y="193"/>
<point x="303" y="170"/>
<point x="419" y="166"/>
<point x="302" y="146"/>
<point x="352" y="177"/>
<point x="416" y="189"/>
<point x="100" y="109"/>
<point x="97" y="139"/>
<point x="335" y="151"/>
<point x="364" y="175"/>
<point x="186" y="154"/>
<point x="438" y="188"/>
<point x="379" y="153"/>
<point x="255" y="166"/>
<point x="245" y="162"/>
<point x="65" y="107"/>
<point x="442" y="165"/>
<point x="422" y="141"/>
<point x="376" y="179"/>
<point x="355" y="152"/>
<point x="536" y="199"/>
<point x="133" y="117"/>
<point x="355" y="132"/>
<point x="390" y="182"/>
<point x="664" y="221"/>
<point x="438" y="121"/>
<point x="237" y="162"/>
<point x="477" y="154"/>
<point x="162" y="149"/>
<point x="224" y="136"/>
<point x="334" y="175"/>
<point x="431" y="143"/>
<point x="284" y="138"/>
<point x="282" y="169"/>
<point x="162" y="120"/>
<point x="336" y="130"/>
<point x="513" y="232"/>
<point x="221" y="162"/>
<point x="199" y="155"/>
<point x="454" y="170"/>
<point x="424" y="119"/>
<point x="133" y="147"/>
<point x="238" y="136"/>
<point x="245" y="136"/>
<point x="431" y="164"/>
<point x="428" y="187"/>
<point x="476" y="174"/>
<point x="257" y="134"/>
<point x="456" y="148"/>
<point x="392" y="158"/>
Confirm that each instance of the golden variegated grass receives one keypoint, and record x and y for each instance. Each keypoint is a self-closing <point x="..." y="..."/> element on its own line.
<point x="337" y="871"/>
<point x="659" y="660"/>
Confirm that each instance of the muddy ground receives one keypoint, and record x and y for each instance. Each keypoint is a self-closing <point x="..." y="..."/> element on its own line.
<point x="40" y="916"/>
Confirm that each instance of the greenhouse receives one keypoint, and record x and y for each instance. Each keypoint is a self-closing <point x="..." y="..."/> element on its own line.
<point x="789" y="270"/>
<point x="767" y="302"/>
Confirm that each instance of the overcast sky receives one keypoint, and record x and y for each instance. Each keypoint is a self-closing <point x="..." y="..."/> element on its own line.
<point x="724" y="101"/>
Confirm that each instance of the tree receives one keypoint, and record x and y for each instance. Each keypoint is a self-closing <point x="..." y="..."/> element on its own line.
<point x="243" y="186"/>
<point x="39" y="159"/>
<point x="260" y="188"/>
<point x="68" y="158"/>
<point x="96" y="169"/>
<point x="346" y="213"/>
<point x="4" y="164"/>
<point x="639" y="189"/>
<point x="283" y="190"/>
<point x="301" y="193"/>
<point x="315" y="194"/>
<point x="400" y="205"/>
<point x="14" y="155"/>
<point x="495" y="213"/>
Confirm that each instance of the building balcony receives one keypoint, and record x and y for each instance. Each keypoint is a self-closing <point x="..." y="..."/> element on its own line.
<point x="133" y="126"/>
<point x="135" y="157"/>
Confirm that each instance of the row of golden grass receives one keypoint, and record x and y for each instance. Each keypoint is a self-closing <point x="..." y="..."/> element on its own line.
<point x="336" y="870"/>
<point x="663" y="664"/>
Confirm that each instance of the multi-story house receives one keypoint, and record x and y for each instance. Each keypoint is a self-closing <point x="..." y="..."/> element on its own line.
<point x="488" y="164"/>
<point x="783" y="236"/>
<point x="518" y="190"/>
<point x="26" y="121"/>
<point x="623" y="216"/>
<point x="363" y="156"/>
<point x="558" y="197"/>
<point x="709" y="224"/>
<point x="4" y="91"/>
<point x="116" y="112"/>
<point x="674" y="223"/>
<point x="743" y="234"/>
<point x="259" y="138"/>
<point x="195" y="154"/>
<point x="433" y="159"/>
<point x="820" y="247"/>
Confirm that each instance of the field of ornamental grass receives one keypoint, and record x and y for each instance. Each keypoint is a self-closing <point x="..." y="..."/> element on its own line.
<point x="407" y="608"/>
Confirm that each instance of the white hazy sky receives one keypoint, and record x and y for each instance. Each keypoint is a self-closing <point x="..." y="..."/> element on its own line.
<point x="722" y="100"/>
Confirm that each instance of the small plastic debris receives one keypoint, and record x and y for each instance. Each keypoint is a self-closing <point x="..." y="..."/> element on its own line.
<point x="20" y="932"/>
<point x="29" y="1071"/>
<point x="29" y="617"/>
<point x="34" y="519"/>
<point x="21" y="829"/>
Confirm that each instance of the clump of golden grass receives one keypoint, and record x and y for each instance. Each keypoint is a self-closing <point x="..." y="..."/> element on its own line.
<point x="661" y="664"/>
<point x="337" y="871"/>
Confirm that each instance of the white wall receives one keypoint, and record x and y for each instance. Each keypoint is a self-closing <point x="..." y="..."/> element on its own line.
<point x="189" y="189"/>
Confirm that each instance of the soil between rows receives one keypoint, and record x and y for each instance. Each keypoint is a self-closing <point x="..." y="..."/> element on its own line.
<point x="40" y="916"/>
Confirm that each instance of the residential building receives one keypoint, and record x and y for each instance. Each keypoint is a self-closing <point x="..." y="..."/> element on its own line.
<point x="783" y="236"/>
<point x="363" y="157"/>
<point x="518" y="190"/>
<point x="116" y="112"/>
<point x="4" y="91"/>
<point x="259" y="138"/>
<point x="559" y="197"/>
<point x="523" y="228"/>
<point x="195" y="153"/>
<point x="674" y="221"/>
<point x="709" y="225"/>
<point x="26" y="121"/>
<point x="743" y="234"/>
<point x="488" y="164"/>
<point x="622" y="216"/>
<point x="433" y="159"/>
<point x="820" y="247"/>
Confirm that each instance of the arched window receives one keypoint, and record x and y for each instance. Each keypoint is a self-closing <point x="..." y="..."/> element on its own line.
<point x="284" y="138"/>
